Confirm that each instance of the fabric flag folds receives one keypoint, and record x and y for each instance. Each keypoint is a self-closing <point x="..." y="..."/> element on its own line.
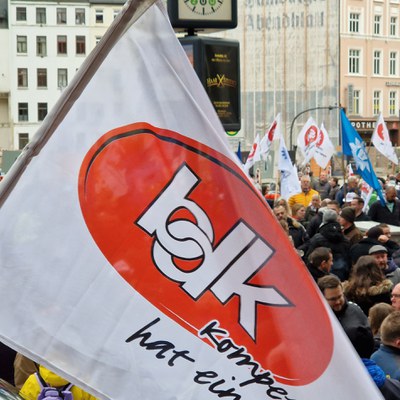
<point x="324" y="148"/>
<point x="382" y="142"/>
<point x="272" y="134"/>
<point x="254" y="154"/>
<point x="354" y="146"/>
<point x="138" y="260"/>
<point x="290" y="184"/>
<point x="307" y="139"/>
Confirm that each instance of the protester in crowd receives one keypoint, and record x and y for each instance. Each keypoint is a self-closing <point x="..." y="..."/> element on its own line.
<point x="304" y="197"/>
<point x="296" y="230"/>
<point x="377" y="313"/>
<point x="46" y="381"/>
<point x="351" y="317"/>
<point x="390" y="212"/>
<point x="372" y="238"/>
<point x="390" y="270"/>
<point x="330" y="235"/>
<point x="358" y="204"/>
<point x="350" y="187"/>
<point x="348" y="199"/>
<point x="334" y="184"/>
<point x="346" y="221"/>
<point x="282" y="202"/>
<point x="285" y="227"/>
<point x="322" y="185"/>
<point x="320" y="262"/>
<point x="299" y="214"/>
<point x="395" y="297"/>
<point x="312" y="209"/>
<point x="388" y="354"/>
<point x="316" y="221"/>
<point x="367" y="284"/>
<point x="390" y="388"/>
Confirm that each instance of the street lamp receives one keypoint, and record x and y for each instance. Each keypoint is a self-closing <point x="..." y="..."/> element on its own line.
<point x="330" y="108"/>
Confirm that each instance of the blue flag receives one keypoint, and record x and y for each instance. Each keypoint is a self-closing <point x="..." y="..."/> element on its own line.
<point x="353" y="145"/>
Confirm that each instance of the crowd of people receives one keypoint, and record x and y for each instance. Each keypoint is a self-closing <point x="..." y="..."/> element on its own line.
<point x="358" y="273"/>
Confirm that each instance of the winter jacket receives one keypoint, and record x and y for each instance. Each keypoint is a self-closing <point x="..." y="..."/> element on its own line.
<point x="330" y="235"/>
<point x="379" y="213"/>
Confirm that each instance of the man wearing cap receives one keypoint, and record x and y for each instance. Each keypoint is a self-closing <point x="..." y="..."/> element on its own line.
<point x="390" y="212"/>
<point x="391" y="271"/>
<point x="350" y="187"/>
<point x="350" y="231"/>
<point x="306" y="194"/>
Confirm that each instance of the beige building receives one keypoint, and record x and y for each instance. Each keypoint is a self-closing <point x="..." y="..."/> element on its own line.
<point x="370" y="64"/>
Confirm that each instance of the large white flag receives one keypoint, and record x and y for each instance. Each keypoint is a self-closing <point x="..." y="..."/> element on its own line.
<point x="273" y="133"/>
<point x="381" y="140"/>
<point x="307" y="139"/>
<point x="290" y="184"/>
<point x="139" y="261"/>
<point x="254" y="154"/>
<point x="324" y="148"/>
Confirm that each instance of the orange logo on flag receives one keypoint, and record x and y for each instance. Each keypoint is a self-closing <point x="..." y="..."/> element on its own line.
<point x="182" y="224"/>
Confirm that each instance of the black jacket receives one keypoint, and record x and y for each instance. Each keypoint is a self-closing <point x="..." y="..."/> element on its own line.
<point x="379" y="213"/>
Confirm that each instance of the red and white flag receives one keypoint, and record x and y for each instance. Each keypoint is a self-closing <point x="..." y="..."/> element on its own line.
<point x="138" y="260"/>
<point x="273" y="133"/>
<point x="254" y="155"/>
<point x="382" y="142"/>
<point x="324" y="148"/>
<point x="307" y="139"/>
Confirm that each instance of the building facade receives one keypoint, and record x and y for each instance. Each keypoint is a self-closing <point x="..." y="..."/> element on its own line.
<point x="370" y="64"/>
<point x="48" y="41"/>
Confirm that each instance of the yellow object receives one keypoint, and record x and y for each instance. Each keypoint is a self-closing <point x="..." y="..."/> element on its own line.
<point x="32" y="387"/>
<point x="302" y="198"/>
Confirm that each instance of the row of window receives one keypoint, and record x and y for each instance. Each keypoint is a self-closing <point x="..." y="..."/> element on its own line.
<point x="41" y="77"/>
<point x="23" y="111"/>
<point x="41" y="45"/>
<point x="356" y="27"/>
<point x="355" y="65"/>
<point x="61" y="15"/>
<point x="377" y="97"/>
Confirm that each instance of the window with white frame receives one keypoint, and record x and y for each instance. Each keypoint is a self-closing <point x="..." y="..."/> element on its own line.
<point x="62" y="78"/>
<point x="393" y="26"/>
<point x="41" y="77"/>
<point x="80" y="16"/>
<point x="354" y="22"/>
<point x="98" y="38"/>
<point x="42" y="111"/>
<point x="23" y="139"/>
<point x="376" y="102"/>
<point x="22" y="44"/>
<point x="22" y="77"/>
<point x="80" y="45"/>
<point x="99" y="16"/>
<point x="40" y="15"/>
<point x="377" y="24"/>
<point x="377" y="62"/>
<point x="21" y="14"/>
<point x="356" y="102"/>
<point x="116" y="12"/>
<point x="41" y="46"/>
<point x="61" y="16"/>
<point x="392" y="103"/>
<point x="23" y="112"/>
<point x="354" y="61"/>
<point x="61" y="44"/>
<point x="393" y="63"/>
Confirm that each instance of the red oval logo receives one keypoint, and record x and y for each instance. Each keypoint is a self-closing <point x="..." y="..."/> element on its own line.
<point x="184" y="227"/>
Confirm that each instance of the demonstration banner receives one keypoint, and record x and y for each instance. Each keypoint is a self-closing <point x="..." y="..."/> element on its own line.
<point x="139" y="261"/>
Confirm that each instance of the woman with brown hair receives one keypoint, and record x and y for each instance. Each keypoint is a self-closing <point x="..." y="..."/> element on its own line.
<point x="367" y="284"/>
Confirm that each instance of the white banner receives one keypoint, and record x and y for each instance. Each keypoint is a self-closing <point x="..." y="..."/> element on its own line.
<point x="138" y="260"/>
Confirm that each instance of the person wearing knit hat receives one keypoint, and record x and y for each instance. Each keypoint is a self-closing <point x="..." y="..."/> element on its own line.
<point x="347" y="217"/>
